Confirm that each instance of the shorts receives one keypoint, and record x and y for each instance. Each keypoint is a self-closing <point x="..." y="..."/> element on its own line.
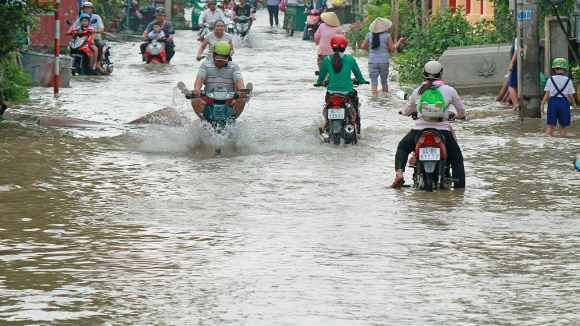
<point x="513" y="81"/>
<point x="379" y="69"/>
<point x="559" y="111"/>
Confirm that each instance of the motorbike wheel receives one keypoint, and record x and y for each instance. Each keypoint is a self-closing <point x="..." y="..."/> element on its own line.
<point x="428" y="181"/>
<point x="310" y="35"/>
<point x="336" y="139"/>
<point x="290" y="26"/>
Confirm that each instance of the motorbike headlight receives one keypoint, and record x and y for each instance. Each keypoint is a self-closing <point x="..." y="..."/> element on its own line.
<point x="220" y="95"/>
<point x="79" y="42"/>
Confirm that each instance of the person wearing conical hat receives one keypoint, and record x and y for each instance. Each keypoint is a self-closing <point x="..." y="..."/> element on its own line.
<point x="330" y="26"/>
<point x="380" y="42"/>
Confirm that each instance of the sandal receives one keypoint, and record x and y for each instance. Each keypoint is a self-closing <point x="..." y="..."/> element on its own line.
<point x="398" y="184"/>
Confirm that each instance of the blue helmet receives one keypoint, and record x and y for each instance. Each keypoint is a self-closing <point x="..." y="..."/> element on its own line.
<point x="83" y="15"/>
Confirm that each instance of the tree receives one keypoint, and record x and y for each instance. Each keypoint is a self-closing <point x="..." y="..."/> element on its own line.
<point x="15" y="16"/>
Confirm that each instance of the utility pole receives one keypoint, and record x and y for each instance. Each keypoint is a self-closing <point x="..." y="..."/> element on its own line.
<point x="529" y="93"/>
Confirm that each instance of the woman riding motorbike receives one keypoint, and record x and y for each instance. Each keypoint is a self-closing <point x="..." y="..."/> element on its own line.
<point x="338" y="67"/>
<point x="432" y="74"/>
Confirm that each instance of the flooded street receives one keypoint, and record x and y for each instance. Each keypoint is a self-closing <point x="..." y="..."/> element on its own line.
<point x="142" y="225"/>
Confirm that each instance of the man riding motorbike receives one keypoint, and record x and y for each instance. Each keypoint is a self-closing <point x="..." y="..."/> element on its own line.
<point x="97" y="25"/>
<point x="244" y="9"/>
<point x="219" y="72"/>
<point x="167" y="29"/>
<point x="209" y="16"/>
<point x="432" y="74"/>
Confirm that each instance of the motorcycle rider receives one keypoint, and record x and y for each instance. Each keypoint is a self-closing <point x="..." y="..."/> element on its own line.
<point x="219" y="72"/>
<point x="210" y="15"/>
<point x="316" y="4"/>
<point x="244" y="9"/>
<point x="432" y="74"/>
<point x="338" y="67"/>
<point x="99" y="29"/>
<point x="167" y="29"/>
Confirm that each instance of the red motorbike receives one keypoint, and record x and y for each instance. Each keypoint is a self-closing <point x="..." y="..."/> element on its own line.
<point x="430" y="167"/>
<point x="81" y="53"/>
<point x="312" y="22"/>
<point x="340" y="111"/>
<point x="155" y="51"/>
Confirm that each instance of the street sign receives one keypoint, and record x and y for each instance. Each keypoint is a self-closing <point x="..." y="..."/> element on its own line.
<point x="524" y="14"/>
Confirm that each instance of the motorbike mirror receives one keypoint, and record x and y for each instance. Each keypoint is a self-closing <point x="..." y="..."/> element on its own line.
<point x="68" y="22"/>
<point x="316" y="73"/>
<point x="93" y="21"/>
<point x="183" y="89"/>
<point x="577" y="162"/>
<point x="172" y="32"/>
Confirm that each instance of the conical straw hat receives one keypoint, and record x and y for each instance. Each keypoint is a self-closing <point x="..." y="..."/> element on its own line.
<point x="330" y="18"/>
<point x="380" y="25"/>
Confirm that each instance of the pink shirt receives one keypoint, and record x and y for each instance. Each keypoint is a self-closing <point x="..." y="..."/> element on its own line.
<point x="322" y="38"/>
<point x="451" y="97"/>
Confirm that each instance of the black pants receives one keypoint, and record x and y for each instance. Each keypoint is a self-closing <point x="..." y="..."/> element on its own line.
<point x="454" y="155"/>
<point x="273" y="11"/>
<point x="169" y="51"/>
<point x="100" y="45"/>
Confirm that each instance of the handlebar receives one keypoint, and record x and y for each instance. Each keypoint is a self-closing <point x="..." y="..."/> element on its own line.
<point x="355" y="83"/>
<point x="451" y="117"/>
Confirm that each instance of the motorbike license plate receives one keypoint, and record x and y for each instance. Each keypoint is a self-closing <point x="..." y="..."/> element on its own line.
<point x="429" y="154"/>
<point x="335" y="114"/>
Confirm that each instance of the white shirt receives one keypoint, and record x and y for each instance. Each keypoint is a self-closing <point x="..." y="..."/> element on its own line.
<point x="210" y="17"/>
<point x="560" y="81"/>
<point x="451" y="97"/>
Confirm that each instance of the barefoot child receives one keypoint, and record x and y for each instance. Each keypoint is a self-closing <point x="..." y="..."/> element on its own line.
<point x="559" y="92"/>
<point x="85" y="26"/>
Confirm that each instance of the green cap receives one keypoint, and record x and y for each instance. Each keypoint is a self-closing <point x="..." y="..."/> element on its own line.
<point x="222" y="48"/>
<point x="560" y="63"/>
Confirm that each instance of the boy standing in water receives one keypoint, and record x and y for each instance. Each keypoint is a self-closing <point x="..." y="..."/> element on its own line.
<point x="559" y="91"/>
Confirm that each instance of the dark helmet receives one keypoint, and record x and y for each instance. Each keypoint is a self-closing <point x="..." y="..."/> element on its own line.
<point x="338" y="42"/>
<point x="160" y="11"/>
<point x="211" y="2"/>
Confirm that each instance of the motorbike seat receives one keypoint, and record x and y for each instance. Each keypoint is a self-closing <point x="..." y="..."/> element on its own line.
<point x="430" y="130"/>
<point x="337" y="98"/>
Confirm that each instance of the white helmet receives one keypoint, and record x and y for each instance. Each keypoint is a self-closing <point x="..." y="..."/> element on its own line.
<point x="88" y="4"/>
<point x="432" y="69"/>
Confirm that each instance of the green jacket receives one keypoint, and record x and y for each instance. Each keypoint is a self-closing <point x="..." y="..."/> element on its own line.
<point x="340" y="81"/>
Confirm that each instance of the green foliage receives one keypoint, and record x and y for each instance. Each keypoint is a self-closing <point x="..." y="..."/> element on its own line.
<point x="19" y="14"/>
<point x="15" y="80"/>
<point x="356" y="34"/>
<point x="180" y="24"/>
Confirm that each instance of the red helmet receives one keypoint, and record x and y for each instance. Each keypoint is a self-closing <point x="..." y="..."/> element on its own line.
<point x="338" y="42"/>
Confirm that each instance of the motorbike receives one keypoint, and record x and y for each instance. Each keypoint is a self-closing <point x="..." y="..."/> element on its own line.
<point x="341" y="125"/>
<point x="82" y="54"/>
<point x="230" y="26"/>
<point x="155" y="51"/>
<point x="312" y="22"/>
<point x="219" y="109"/>
<point x="429" y="161"/>
<point x="138" y="18"/>
<point x="204" y="30"/>
<point x="242" y="25"/>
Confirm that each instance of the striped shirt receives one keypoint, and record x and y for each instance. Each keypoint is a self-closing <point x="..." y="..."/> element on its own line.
<point x="226" y="77"/>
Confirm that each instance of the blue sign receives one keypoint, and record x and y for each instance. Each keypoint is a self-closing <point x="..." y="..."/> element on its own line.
<point x="524" y="14"/>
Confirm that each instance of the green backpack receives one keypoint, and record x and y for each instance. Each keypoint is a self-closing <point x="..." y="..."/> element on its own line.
<point x="432" y="104"/>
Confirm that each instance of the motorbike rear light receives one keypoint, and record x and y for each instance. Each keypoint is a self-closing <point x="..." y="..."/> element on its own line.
<point x="422" y="139"/>
<point x="437" y="139"/>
